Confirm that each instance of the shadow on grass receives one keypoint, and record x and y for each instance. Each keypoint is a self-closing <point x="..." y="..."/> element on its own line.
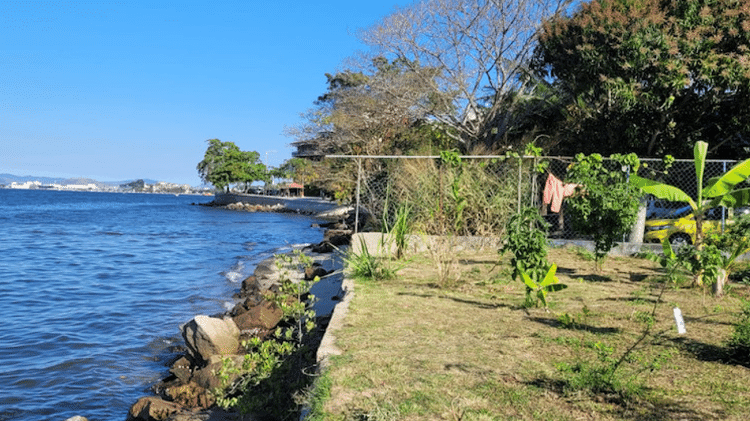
<point x="575" y="326"/>
<point x="636" y="300"/>
<point x="596" y="278"/>
<point x="475" y="303"/>
<point x="630" y="408"/>
<point x="713" y="353"/>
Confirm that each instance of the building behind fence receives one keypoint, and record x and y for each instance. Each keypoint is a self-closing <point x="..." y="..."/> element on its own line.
<point x="478" y="196"/>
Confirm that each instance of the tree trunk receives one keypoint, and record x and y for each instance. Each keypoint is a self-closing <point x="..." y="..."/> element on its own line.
<point x="721" y="279"/>
<point x="636" y="233"/>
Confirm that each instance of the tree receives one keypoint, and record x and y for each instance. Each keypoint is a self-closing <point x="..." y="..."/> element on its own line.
<point x="369" y="111"/>
<point x="606" y="205"/>
<point x="650" y="76"/>
<point x="480" y="50"/>
<point x="718" y="191"/>
<point x="224" y="163"/>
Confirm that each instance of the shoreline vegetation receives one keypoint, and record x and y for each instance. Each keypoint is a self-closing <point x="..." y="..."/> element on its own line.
<point x="216" y="345"/>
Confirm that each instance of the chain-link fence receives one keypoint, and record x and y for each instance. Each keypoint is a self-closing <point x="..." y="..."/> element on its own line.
<point x="477" y="195"/>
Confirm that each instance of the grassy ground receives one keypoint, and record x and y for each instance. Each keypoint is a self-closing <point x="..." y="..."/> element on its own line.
<point x="455" y="341"/>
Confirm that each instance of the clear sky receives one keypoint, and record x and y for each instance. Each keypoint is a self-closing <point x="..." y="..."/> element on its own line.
<point x="117" y="90"/>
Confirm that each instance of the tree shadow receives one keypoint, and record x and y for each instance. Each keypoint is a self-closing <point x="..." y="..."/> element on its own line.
<point x="575" y="326"/>
<point x="596" y="278"/>
<point x="712" y="353"/>
<point x="630" y="408"/>
<point x="478" y="304"/>
<point x="644" y="300"/>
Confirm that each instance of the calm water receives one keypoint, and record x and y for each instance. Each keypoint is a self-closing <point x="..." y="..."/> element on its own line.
<point x="94" y="286"/>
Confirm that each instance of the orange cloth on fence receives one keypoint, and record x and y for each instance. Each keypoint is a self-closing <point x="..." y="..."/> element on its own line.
<point x="555" y="190"/>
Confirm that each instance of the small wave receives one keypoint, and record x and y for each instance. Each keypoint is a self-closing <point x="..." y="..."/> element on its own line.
<point x="109" y="233"/>
<point x="228" y="305"/>
<point x="235" y="274"/>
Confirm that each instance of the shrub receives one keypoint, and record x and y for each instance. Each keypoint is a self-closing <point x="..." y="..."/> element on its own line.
<point x="526" y="238"/>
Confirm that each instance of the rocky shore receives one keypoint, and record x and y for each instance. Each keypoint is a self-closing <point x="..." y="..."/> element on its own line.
<point x="212" y="340"/>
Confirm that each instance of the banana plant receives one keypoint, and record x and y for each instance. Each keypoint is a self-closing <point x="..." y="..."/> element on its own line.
<point x="548" y="284"/>
<point x="718" y="191"/>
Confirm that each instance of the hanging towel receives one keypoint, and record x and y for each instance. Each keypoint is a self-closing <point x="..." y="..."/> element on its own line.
<point x="554" y="192"/>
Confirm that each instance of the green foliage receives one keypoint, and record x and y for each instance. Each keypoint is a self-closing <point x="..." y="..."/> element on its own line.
<point x="648" y="75"/>
<point x="718" y="191"/>
<point x="606" y="205"/>
<point x="224" y="163"/>
<point x="400" y="229"/>
<point x="272" y="367"/>
<point x="456" y="196"/>
<point x="369" y="266"/>
<point x="526" y="238"/>
<point x="739" y="343"/>
<point x="550" y="283"/>
<point x="600" y="375"/>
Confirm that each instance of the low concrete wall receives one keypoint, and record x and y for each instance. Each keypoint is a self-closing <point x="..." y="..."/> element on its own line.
<point x="379" y="245"/>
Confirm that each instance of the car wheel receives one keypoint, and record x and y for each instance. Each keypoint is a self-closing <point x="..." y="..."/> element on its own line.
<point x="680" y="240"/>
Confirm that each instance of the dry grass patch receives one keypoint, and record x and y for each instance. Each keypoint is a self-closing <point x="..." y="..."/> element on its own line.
<point x="416" y="349"/>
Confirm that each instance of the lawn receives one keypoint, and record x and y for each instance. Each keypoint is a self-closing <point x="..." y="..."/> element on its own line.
<point x="454" y="340"/>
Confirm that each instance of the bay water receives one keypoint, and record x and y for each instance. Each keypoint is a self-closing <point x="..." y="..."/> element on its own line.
<point x="94" y="286"/>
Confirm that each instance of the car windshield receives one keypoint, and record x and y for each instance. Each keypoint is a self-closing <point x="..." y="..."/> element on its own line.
<point x="681" y="212"/>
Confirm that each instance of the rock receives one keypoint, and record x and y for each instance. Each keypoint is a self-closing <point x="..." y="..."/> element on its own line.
<point x="322" y="247"/>
<point x="181" y="369"/>
<point x="316" y="270"/>
<point x="206" y="336"/>
<point x="207" y="378"/>
<point x="191" y="395"/>
<point x="152" y="408"/>
<point x="266" y="315"/>
<point x="77" y="418"/>
<point x="249" y="285"/>
<point x="338" y="237"/>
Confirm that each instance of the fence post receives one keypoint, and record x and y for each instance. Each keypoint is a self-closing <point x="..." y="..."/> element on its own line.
<point x="356" y="208"/>
<point x="520" y="166"/>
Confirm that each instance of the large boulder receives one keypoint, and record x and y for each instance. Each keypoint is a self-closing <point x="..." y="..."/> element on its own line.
<point x="206" y="336"/>
<point x="152" y="408"/>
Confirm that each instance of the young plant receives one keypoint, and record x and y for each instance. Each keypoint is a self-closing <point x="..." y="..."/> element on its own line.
<point x="607" y="205"/>
<point x="366" y="265"/>
<point x="399" y="231"/>
<point x="726" y="248"/>
<point x="718" y="191"/>
<point x="540" y="290"/>
<point x="526" y="238"/>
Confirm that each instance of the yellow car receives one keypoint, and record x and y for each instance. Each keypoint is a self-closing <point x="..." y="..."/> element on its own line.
<point x="680" y="229"/>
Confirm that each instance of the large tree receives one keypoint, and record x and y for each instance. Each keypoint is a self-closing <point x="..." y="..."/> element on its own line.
<point x="651" y="76"/>
<point x="480" y="50"/>
<point x="224" y="163"/>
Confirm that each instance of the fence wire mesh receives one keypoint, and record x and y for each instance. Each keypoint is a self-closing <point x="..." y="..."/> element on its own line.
<point x="478" y="196"/>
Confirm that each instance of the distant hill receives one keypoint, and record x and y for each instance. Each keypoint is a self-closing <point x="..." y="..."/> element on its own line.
<point x="10" y="178"/>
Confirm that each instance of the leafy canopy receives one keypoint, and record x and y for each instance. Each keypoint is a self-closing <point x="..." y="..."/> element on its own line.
<point x="649" y="76"/>
<point x="224" y="163"/>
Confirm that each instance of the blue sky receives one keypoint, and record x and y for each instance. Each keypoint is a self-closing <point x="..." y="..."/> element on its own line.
<point x="116" y="90"/>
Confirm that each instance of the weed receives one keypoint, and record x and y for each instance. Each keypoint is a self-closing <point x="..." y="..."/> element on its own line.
<point x="369" y="266"/>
